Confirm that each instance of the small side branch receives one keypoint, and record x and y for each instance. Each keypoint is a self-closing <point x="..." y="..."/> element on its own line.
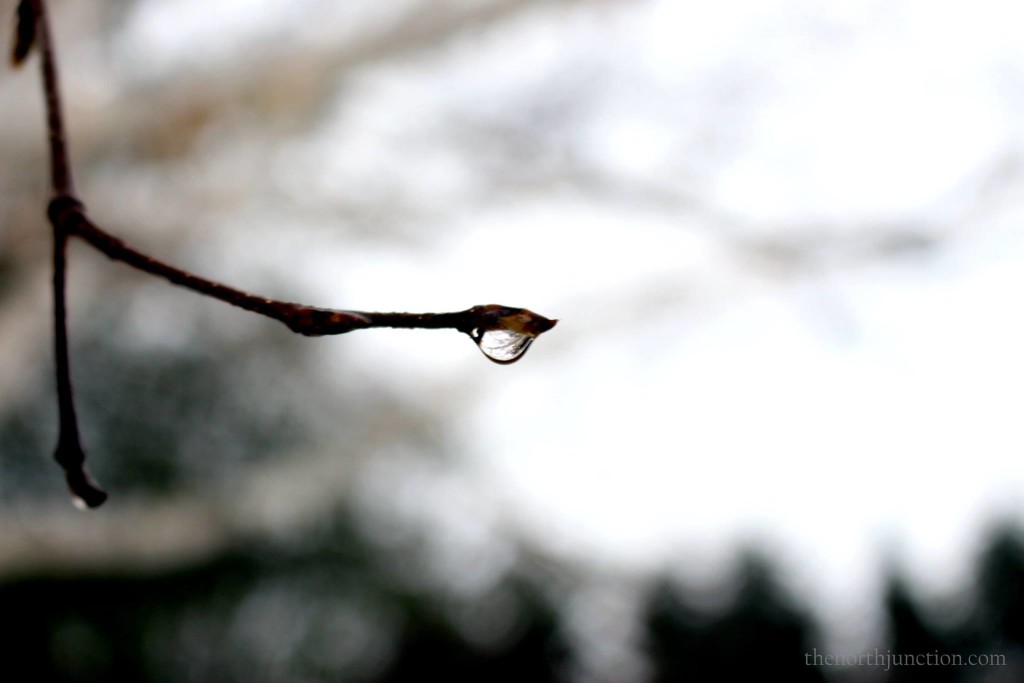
<point x="69" y="454"/>
<point x="310" y="321"/>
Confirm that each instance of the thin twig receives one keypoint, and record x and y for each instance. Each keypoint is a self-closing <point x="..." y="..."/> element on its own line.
<point x="60" y="160"/>
<point x="302" y="318"/>
<point x="69" y="453"/>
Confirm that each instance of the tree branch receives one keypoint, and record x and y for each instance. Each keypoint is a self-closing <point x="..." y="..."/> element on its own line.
<point x="69" y="453"/>
<point x="503" y="333"/>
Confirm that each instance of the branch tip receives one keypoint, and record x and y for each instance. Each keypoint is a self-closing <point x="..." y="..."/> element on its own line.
<point x="85" y="493"/>
<point x="24" y="31"/>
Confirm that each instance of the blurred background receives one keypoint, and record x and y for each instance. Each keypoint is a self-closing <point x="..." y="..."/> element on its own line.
<point x="780" y="415"/>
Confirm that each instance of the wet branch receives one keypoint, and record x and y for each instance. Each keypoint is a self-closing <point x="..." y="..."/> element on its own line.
<point x="503" y="333"/>
<point x="310" y="321"/>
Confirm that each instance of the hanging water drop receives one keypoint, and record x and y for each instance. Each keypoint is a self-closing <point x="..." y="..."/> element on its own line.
<point x="502" y="346"/>
<point x="504" y="333"/>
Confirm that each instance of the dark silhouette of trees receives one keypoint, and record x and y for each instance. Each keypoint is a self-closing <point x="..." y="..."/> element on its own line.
<point x="209" y="622"/>
<point x="762" y="631"/>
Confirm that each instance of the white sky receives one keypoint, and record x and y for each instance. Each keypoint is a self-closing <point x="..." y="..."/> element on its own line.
<point x="847" y="413"/>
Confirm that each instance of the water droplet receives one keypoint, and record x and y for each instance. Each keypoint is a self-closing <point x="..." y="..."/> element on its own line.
<point x="502" y="346"/>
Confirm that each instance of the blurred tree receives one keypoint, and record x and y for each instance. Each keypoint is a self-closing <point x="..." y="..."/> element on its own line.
<point x="1001" y="587"/>
<point x="913" y="635"/>
<point x="761" y="632"/>
<point x="999" y="609"/>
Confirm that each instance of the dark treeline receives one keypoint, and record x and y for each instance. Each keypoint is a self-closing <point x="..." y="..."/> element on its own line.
<point x="257" y="614"/>
<point x="765" y="629"/>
